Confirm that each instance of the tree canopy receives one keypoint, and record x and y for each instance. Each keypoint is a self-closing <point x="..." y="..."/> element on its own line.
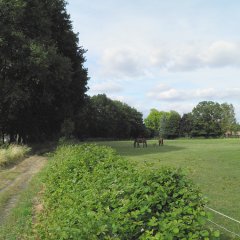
<point x="211" y="119"/>
<point x="42" y="77"/>
<point x="207" y="119"/>
<point x="164" y="124"/>
<point x="108" y="118"/>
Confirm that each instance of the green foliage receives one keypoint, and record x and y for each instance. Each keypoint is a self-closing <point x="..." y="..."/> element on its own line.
<point x="207" y="119"/>
<point x="92" y="193"/>
<point x="186" y="125"/>
<point x="211" y="119"/>
<point x="164" y="124"/>
<point x="228" y="120"/>
<point x="152" y="121"/>
<point x="236" y="127"/>
<point x="42" y="77"/>
<point x="170" y="126"/>
<point x="106" y="118"/>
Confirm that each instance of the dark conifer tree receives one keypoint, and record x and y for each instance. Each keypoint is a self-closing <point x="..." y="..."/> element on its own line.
<point x="42" y="77"/>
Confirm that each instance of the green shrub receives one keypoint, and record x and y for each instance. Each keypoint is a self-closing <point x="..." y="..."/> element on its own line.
<point x="11" y="154"/>
<point x="92" y="193"/>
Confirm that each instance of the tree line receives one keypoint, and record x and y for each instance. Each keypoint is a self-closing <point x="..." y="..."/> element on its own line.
<point x="42" y="77"/>
<point x="102" y="117"/>
<point x="207" y="119"/>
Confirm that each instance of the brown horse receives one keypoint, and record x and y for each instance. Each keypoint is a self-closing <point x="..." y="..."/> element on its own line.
<point x="140" y="140"/>
<point x="160" y="141"/>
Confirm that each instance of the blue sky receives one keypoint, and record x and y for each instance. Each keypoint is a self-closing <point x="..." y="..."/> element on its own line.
<point x="161" y="54"/>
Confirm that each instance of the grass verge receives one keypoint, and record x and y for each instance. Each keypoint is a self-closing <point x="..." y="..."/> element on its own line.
<point x="11" y="154"/>
<point x="19" y="224"/>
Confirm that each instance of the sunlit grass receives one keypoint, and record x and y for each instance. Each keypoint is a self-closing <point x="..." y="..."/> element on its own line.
<point x="212" y="164"/>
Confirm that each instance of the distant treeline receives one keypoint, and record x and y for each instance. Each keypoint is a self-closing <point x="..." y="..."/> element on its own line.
<point x="102" y="117"/>
<point x="207" y="119"/>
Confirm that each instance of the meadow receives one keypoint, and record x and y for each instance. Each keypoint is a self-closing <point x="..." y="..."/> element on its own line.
<point x="212" y="164"/>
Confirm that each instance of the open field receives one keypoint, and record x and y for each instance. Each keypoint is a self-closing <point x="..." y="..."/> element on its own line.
<point x="214" y="165"/>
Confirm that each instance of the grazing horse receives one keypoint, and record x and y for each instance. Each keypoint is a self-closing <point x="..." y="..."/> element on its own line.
<point x="160" y="141"/>
<point x="140" y="140"/>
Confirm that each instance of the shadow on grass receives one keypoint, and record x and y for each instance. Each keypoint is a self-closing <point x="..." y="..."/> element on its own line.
<point x="42" y="148"/>
<point x="224" y="236"/>
<point x="131" y="151"/>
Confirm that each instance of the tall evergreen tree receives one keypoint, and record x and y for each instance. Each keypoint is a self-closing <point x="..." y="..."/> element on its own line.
<point x="42" y="77"/>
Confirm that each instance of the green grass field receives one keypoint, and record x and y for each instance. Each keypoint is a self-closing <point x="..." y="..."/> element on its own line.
<point x="214" y="165"/>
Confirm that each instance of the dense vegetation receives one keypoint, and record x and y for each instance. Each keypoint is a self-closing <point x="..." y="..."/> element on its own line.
<point x="106" y="118"/>
<point x="42" y="77"/>
<point x="207" y="119"/>
<point x="92" y="193"/>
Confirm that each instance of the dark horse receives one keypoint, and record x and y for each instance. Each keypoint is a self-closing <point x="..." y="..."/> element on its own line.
<point x="140" y="140"/>
<point x="160" y="141"/>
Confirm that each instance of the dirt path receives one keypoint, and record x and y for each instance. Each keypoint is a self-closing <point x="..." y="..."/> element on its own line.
<point x="14" y="180"/>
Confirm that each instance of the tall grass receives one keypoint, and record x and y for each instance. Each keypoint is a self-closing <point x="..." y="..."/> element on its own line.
<point x="11" y="154"/>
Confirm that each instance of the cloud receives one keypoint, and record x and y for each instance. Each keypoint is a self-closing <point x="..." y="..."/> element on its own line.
<point x="106" y="87"/>
<point x="149" y="61"/>
<point x="191" y="57"/>
<point x="121" y="63"/>
<point x="222" y="54"/>
<point x="166" y="93"/>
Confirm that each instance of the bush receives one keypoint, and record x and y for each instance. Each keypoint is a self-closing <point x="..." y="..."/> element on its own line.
<point x="11" y="154"/>
<point x="92" y="193"/>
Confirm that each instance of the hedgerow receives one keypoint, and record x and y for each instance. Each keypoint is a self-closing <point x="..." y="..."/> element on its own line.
<point x="93" y="193"/>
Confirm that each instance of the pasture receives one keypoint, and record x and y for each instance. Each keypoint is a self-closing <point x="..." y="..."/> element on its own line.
<point x="212" y="164"/>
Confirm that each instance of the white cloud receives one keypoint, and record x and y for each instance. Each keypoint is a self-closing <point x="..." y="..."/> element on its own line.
<point x="106" y="87"/>
<point x="121" y="63"/>
<point x="149" y="61"/>
<point x="222" y="54"/>
<point x="165" y="93"/>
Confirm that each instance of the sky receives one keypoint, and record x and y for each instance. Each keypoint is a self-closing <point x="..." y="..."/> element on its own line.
<point x="168" y="55"/>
